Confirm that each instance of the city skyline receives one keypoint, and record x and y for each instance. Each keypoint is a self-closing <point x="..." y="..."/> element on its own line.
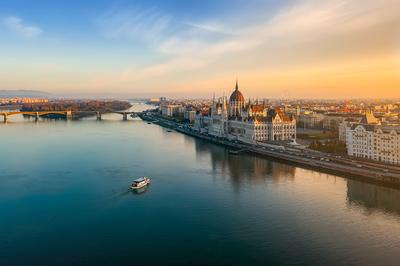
<point x="296" y="49"/>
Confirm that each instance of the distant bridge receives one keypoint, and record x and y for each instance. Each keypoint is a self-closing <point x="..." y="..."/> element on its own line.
<point x="68" y="114"/>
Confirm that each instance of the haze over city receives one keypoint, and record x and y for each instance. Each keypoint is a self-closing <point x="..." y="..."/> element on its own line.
<point x="304" y="48"/>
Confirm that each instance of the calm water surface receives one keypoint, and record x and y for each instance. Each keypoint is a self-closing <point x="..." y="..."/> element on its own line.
<point x="64" y="200"/>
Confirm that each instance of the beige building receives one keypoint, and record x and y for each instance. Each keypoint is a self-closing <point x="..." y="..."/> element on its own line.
<point x="310" y="119"/>
<point x="171" y="110"/>
<point x="19" y="100"/>
<point x="189" y="115"/>
<point x="370" y="140"/>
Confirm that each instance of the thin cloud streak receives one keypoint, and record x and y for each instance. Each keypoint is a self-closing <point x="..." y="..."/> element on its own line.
<point x="210" y="27"/>
<point x="18" y="26"/>
<point x="134" y="24"/>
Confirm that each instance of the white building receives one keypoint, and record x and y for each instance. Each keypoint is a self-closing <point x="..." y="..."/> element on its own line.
<point x="249" y="122"/>
<point x="348" y="122"/>
<point x="189" y="115"/>
<point x="171" y="110"/>
<point x="370" y="140"/>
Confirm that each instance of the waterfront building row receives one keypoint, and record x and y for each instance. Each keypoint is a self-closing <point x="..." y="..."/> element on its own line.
<point x="22" y="100"/>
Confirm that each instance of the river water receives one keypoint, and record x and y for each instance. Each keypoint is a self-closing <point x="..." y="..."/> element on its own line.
<point x="65" y="200"/>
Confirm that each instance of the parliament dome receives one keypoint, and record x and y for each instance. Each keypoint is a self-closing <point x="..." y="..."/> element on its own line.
<point x="236" y="95"/>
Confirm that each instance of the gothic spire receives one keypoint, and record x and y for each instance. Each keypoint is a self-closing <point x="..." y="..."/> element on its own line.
<point x="236" y="87"/>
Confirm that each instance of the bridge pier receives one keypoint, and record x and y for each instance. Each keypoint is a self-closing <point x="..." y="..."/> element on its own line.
<point x="36" y="116"/>
<point x="5" y="118"/>
<point x="98" y="114"/>
<point x="124" y="116"/>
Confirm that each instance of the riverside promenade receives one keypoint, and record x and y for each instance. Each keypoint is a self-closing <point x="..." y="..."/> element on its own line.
<point x="344" y="166"/>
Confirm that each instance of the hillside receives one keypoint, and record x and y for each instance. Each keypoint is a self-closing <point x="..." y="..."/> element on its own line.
<point x="23" y="93"/>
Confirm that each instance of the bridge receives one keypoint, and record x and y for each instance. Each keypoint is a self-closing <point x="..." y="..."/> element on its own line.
<point x="68" y="114"/>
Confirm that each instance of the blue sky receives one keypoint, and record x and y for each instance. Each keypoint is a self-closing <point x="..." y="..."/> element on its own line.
<point x="180" y="47"/>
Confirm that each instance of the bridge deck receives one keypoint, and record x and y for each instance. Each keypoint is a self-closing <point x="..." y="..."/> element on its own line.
<point x="64" y="112"/>
<point x="69" y="114"/>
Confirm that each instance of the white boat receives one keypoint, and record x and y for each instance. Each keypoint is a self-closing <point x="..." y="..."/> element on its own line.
<point x="140" y="182"/>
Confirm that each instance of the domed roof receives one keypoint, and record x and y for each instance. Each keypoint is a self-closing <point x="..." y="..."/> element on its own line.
<point x="236" y="95"/>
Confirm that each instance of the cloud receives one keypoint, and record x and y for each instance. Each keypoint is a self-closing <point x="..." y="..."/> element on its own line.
<point x="307" y="28"/>
<point x="18" y="26"/>
<point x="211" y="27"/>
<point x="134" y="24"/>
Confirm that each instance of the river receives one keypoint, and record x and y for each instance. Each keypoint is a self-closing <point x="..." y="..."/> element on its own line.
<point x="65" y="200"/>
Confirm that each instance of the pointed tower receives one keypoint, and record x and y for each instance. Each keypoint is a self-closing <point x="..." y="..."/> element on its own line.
<point x="213" y="105"/>
<point x="224" y="107"/>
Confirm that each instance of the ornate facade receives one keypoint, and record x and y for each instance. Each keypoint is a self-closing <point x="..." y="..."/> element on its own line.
<point x="371" y="140"/>
<point x="247" y="122"/>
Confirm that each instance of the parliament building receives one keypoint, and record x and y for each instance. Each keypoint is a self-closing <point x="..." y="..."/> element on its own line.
<point x="250" y="122"/>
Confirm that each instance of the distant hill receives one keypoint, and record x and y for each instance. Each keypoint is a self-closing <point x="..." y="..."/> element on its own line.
<point x="23" y="93"/>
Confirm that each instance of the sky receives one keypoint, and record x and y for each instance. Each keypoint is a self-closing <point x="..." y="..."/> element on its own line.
<point x="179" y="48"/>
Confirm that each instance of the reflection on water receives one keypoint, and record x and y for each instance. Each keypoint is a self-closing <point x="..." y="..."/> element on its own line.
<point x="244" y="167"/>
<point x="255" y="169"/>
<point x="140" y="190"/>
<point x="373" y="198"/>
